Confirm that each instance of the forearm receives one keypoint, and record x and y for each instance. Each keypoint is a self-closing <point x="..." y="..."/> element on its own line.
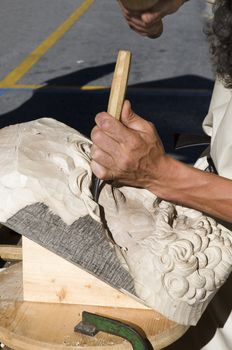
<point x="194" y="188"/>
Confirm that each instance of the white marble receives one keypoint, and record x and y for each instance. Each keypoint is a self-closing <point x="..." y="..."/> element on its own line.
<point x="45" y="161"/>
<point x="177" y="256"/>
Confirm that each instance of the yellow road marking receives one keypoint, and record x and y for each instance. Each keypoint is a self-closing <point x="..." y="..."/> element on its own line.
<point x="97" y="87"/>
<point x="34" y="87"/>
<point x="40" y="50"/>
<point x="23" y="86"/>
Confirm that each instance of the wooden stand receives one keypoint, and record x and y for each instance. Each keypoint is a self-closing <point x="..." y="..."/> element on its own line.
<point x="51" y="279"/>
<point x="41" y="326"/>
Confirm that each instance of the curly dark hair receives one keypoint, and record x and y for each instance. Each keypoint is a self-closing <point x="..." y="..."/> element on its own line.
<point x="220" y="36"/>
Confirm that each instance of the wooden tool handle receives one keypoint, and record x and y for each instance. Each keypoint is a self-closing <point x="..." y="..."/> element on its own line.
<point x="119" y="84"/>
<point x="138" y="4"/>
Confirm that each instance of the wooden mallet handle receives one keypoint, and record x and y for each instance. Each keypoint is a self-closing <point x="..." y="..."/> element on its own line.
<point x="138" y="5"/>
<point x="116" y="100"/>
<point x="119" y="84"/>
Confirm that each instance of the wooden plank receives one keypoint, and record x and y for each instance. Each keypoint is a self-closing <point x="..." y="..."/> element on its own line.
<point x="44" y="326"/>
<point x="10" y="252"/>
<point x="50" y="278"/>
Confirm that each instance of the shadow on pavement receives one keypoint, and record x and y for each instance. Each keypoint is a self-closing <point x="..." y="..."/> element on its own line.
<point x="175" y="105"/>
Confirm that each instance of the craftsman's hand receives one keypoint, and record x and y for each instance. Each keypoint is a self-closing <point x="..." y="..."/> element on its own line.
<point x="129" y="151"/>
<point x="149" y="22"/>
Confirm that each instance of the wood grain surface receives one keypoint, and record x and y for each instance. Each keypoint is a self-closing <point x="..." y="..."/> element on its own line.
<point x="10" y="252"/>
<point x="50" y="278"/>
<point x="119" y="84"/>
<point x="41" y="326"/>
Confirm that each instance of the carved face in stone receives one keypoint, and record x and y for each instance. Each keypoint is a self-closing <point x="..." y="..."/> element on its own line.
<point x="177" y="257"/>
<point x="45" y="161"/>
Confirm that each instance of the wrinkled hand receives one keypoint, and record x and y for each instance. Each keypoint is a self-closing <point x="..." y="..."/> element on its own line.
<point x="149" y="22"/>
<point x="129" y="151"/>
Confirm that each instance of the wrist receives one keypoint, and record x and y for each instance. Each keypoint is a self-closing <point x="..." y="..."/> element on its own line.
<point x="159" y="175"/>
<point x="170" y="178"/>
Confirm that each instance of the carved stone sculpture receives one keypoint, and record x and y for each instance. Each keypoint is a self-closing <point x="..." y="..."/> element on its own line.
<point x="176" y="258"/>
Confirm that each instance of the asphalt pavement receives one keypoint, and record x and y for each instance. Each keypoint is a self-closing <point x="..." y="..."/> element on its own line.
<point x="57" y="59"/>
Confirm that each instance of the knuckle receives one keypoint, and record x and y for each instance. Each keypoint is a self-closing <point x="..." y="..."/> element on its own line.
<point x="151" y="127"/>
<point x="150" y="19"/>
<point x="100" y="115"/>
<point x="103" y="120"/>
<point x="126" y="161"/>
<point x="147" y="23"/>
<point x="134" y="143"/>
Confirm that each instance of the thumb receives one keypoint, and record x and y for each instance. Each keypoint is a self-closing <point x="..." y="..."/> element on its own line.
<point x="131" y="120"/>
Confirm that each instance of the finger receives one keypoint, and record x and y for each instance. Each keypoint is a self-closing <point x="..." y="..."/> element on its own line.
<point x="101" y="172"/>
<point x="149" y="18"/>
<point x="153" y="14"/>
<point x="152" y="32"/>
<point x="143" y="21"/>
<point x="111" y="127"/>
<point x="101" y="157"/>
<point x="132" y="120"/>
<point x="138" y="31"/>
<point x="105" y="141"/>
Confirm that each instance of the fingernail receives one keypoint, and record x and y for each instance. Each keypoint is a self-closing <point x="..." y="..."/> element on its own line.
<point x="104" y="123"/>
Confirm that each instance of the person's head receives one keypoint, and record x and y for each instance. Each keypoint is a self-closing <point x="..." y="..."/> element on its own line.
<point x="220" y="35"/>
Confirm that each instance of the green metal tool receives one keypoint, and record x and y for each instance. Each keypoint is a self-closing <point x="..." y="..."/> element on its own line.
<point x="92" y="324"/>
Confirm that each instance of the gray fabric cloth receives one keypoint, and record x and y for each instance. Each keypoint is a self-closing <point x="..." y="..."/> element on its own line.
<point x="84" y="243"/>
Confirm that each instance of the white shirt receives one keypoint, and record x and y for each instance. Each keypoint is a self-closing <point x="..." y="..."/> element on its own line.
<point x="218" y="125"/>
